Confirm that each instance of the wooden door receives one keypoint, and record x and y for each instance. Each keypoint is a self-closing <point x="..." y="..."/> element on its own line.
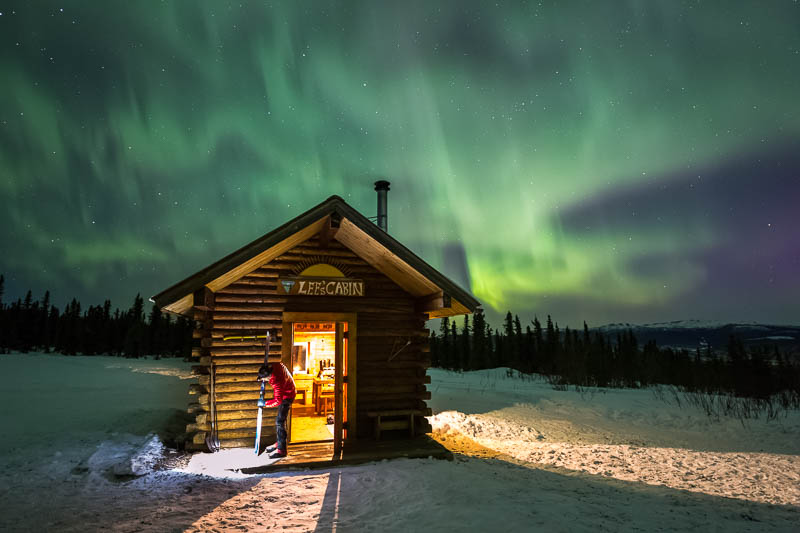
<point x="338" y="395"/>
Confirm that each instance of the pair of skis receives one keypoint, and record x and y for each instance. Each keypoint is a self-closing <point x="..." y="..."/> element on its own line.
<point x="261" y="396"/>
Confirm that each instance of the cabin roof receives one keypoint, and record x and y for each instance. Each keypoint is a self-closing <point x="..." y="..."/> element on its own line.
<point x="438" y="295"/>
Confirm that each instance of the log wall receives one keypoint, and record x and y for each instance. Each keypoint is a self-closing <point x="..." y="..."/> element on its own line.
<point x="388" y="377"/>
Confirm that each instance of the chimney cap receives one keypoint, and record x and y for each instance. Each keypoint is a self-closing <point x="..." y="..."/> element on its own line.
<point x="382" y="185"/>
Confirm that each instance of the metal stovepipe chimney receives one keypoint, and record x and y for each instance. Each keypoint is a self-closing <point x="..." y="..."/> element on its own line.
<point x="382" y="187"/>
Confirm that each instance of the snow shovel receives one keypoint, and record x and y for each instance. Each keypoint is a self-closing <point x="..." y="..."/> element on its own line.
<point x="212" y="439"/>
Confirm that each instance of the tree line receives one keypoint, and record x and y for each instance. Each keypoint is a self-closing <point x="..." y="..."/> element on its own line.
<point x="38" y="325"/>
<point x="590" y="358"/>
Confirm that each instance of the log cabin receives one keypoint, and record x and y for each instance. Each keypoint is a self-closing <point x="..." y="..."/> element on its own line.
<point x="346" y="305"/>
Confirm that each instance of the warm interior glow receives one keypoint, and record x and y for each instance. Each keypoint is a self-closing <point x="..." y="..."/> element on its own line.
<point x="313" y="361"/>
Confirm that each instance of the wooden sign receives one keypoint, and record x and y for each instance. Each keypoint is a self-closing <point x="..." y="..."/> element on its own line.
<point x="321" y="286"/>
<point x="314" y="327"/>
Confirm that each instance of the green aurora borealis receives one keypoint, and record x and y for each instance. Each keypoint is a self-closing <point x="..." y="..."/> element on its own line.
<point x="599" y="161"/>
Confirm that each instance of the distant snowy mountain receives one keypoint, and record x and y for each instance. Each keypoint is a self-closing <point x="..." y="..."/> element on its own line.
<point x="695" y="333"/>
<point x="682" y="324"/>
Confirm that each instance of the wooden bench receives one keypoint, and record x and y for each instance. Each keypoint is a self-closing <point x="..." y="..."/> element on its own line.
<point x="397" y="419"/>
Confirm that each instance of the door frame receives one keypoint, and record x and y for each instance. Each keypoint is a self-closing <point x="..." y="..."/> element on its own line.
<point x="287" y="334"/>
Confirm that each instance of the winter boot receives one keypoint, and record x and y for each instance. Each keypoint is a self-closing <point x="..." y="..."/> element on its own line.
<point x="277" y="454"/>
<point x="271" y="448"/>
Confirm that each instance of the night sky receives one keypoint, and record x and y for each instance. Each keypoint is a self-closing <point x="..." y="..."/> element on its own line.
<point x="599" y="161"/>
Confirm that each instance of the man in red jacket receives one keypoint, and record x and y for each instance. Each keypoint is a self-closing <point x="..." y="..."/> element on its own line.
<point x="283" y="393"/>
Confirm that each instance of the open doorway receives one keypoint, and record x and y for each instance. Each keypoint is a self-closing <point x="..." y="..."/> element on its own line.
<point x="314" y="372"/>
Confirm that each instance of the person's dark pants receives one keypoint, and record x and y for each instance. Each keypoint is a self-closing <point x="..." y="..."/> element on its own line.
<point x="280" y="422"/>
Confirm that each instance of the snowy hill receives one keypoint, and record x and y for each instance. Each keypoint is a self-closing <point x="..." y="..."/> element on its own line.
<point x="527" y="458"/>
<point x="691" y="334"/>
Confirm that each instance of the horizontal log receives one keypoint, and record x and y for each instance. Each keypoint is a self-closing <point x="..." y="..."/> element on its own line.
<point x="372" y="397"/>
<point x="247" y="360"/>
<point x="319" y="303"/>
<point x="306" y="251"/>
<point x="267" y="432"/>
<point x="228" y="378"/>
<point x="260" y="325"/>
<point x="389" y="342"/>
<point x="250" y="299"/>
<point x="391" y="323"/>
<point x="388" y="354"/>
<point x="422" y="363"/>
<point x="248" y="281"/>
<point x="244" y="349"/>
<point x="380" y="404"/>
<point x="238" y="369"/>
<point x="199" y="352"/>
<point x="289" y="263"/>
<point x="247" y="308"/>
<point x="215" y="342"/>
<point x="237" y="386"/>
<point x="409" y="315"/>
<point x="390" y="380"/>
<point x="231" y="359"/>
<point x="294" y="258"/>
<point x="237" y="438"/>
<point x="221" y="364"/>
<point x="241" y="443"/>
<point x="247" y="315"/>
<point x="385" y="389"/>
<point x="248" y="290"/>
<point x="383" y="371"/>
<point x="238" y="414"/>
<point x="223" y="425"/>
<point x="216" y="335"/>
<point x="242" y="396"/>
<point x="262" y="274"/>
<point x="393" y="333"/>
<point x="239" y="405"/>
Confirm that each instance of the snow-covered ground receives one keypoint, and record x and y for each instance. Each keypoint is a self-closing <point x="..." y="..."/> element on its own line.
<point x="527" y="458"/>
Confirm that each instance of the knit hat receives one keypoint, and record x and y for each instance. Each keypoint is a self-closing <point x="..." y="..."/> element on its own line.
<point x="264" y="372"/>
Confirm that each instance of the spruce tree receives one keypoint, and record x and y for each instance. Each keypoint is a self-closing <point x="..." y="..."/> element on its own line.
<point x="499" y="352"/>
<point x="479" y="341"/>
<point x="538" y="344"/>
<point x="154" y="331"/>
<point x="434" y="348"/>
<point x="43" y="336"/>
<point x="465" y="351"/>
<point x="528" y="351"/>
<point x="452" y="357"/>
<point x="510" y="350"/>
<point x="444" y="343"/>
<point x="518" y="346"/>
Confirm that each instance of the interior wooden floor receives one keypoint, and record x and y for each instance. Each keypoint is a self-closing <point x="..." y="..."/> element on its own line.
<point x="320" y="454"/>
<point x="310" y="429"/>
